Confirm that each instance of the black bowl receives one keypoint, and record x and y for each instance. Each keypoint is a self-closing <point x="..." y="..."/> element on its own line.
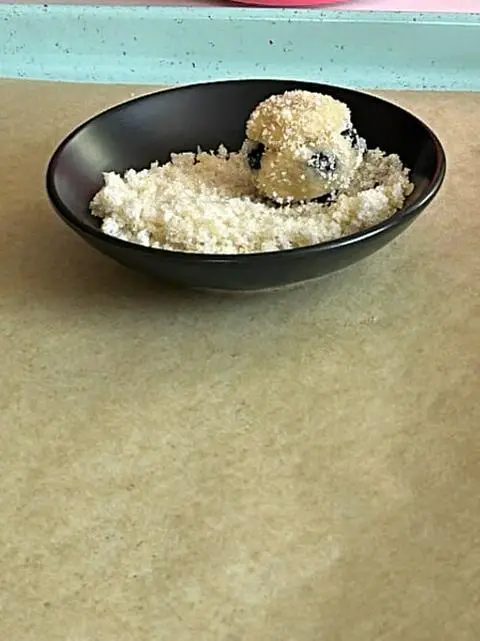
<point x="151" y="127"/>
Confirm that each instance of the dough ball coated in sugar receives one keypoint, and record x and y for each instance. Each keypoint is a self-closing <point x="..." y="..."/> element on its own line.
<point x="302" y="146"/>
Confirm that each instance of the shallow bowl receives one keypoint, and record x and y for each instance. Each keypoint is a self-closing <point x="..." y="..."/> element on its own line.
<point x="137" y="132"/>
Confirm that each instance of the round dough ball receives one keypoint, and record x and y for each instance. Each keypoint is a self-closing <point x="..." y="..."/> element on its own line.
<point x="302" y="146"/>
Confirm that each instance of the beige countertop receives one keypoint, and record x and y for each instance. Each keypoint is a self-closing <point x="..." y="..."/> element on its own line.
<point x="299" y="466"/>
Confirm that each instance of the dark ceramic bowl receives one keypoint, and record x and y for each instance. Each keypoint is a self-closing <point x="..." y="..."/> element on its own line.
<point x="149" y="128"/>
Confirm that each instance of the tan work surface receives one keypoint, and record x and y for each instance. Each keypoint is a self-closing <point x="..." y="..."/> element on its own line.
<point x="297" y="466"/>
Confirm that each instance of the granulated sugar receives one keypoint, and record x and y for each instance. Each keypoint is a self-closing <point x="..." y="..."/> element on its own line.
<point x="206" y="203"/>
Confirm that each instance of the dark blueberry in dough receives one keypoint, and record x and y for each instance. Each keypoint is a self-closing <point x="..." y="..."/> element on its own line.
<point x="270" y="203"/>
<point x="254" y="156"/>
<point x="353" y="136"/>
<point x="323" y="163"/>
<point x="326" y="199"/>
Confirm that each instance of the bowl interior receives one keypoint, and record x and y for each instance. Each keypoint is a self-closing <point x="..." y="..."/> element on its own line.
<point x="149" y="128"/>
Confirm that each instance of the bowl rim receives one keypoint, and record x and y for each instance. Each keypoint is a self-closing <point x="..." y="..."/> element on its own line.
<point x="405" y="213"/>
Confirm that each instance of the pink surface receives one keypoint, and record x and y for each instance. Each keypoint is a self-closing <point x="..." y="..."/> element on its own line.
<point x="458" y="6"/>
<point x="289" y="3"/>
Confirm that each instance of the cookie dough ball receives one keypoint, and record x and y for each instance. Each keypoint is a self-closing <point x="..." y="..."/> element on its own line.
<point x="302" y="146"/>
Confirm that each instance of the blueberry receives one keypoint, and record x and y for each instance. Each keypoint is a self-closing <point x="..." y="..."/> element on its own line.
<point x="323" y="163"/>
<point x="254" y="156"/>
<point x="326" y="199"/>
<point x="353" y="136"/>
<point x="270" y="203"/>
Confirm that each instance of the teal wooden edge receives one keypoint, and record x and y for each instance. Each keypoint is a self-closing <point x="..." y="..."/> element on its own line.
<point x="178" y="45"/>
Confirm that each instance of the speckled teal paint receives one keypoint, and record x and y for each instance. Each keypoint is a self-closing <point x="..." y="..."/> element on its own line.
<point x="165" y="45"/>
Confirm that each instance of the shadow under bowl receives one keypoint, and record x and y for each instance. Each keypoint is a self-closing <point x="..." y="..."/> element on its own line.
<point x="135" y="133"/>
